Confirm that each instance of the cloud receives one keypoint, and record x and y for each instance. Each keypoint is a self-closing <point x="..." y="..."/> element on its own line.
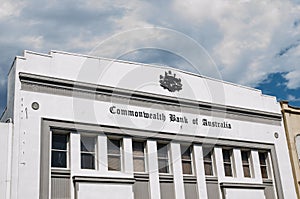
<point x="10" y="9"/>
<point x="35" y="41"/>
<point x="244" y="40"/>
<point x="291" y="98"/>
<point x="293" y="79"/>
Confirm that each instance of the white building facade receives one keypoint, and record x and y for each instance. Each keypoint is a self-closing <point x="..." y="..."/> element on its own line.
<point x="86" y="127"/>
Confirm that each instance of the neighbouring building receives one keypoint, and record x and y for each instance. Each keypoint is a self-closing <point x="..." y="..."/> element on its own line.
<point x="291" y="118"/>
<point x="79" y="127"/>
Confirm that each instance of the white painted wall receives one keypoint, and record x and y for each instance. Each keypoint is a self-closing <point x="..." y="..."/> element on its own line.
<point x="244" y="193"/>
<point x="5" y="159"/>
<point x="144" y="78"/>
<point x="104" y="191"/>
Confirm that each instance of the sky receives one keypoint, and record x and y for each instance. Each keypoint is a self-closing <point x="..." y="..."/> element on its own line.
<point x="255" y="43"/>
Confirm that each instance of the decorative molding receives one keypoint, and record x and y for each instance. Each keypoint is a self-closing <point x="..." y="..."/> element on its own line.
<point x="37" y="83"/>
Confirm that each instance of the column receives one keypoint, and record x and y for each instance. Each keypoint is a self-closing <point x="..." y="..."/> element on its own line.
<point x="128" y="160"/>
<point x="219" y="162"/>
<point x="199" y="172"/>
<point x="102" y="153"/>
<point x="75" y="162"/>
<point x="237" y="164"/>
<point x="255" y="165"/>
<point x="153" y="169"/>
<point x="177" y="170"/>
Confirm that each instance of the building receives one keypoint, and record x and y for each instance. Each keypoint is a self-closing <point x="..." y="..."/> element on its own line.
<point x="87" y="127"/>
<point x="291" y="117"/>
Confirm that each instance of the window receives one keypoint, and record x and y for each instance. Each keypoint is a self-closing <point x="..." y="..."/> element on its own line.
<point x="88" y="152"/>
<point x="138" y="149"/>
<point x="297" y="141"/>
<point x="227" y="159"/>
<point x="59" y="150"/>
<point x="263" y="156"/>
<point x="163" y="158"/>
<point x="186" y="158"/>
<point x="114" y="154"/>
<point x="208" y="163"/>
<point x="246" y="163"/>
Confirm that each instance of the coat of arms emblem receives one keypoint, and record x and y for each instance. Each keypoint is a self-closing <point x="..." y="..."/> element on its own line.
<point x="170" y="82"/>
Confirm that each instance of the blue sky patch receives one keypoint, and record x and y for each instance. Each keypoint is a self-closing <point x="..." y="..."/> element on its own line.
<point x="275" y="84"/>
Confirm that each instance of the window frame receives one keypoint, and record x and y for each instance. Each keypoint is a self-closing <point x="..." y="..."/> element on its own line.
<point x="143" y="157"/>
<point x="165" y="158"/>
<point x="210" y="154"/>
<point x="67" y="150"/>
<point x="297" y="146"/>
<point x="189" y="160"/>
<point x="265" y="165"/>
<point x="120" y="154"/>
<point x="247" y="164"/>
<point x="230" y="163"/>
<point x="95" y="137"/>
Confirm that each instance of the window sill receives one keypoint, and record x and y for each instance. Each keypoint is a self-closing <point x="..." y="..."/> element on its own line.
<point x="189" y="179"/>
<point x="166" y="177"/>
<point x="60" y="172"/>
<point x="242" y="185"/>
<point x="103" y="179"/>
<point x="141" y="176"/>
<point x="211" y="178"/>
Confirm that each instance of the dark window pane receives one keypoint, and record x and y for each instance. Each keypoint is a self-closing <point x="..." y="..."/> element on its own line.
<point x="163" y="166"/>
<point x="207" y="151"/>
<point x="207" y="157"/>
<point x="245" y="157"/>
<point x="264" y="172"/>
<point x="139" y="164"/>
<point x="226" y="156"/>
<point x="262" y="158"/>
<point x="59" y="141"/>
<point x="162" y="150"/>
<point x="88" y="144"/>
<point x="247" y="172"/>
<point x="228" y="170"/>
<point x="59" y="159"/>
<point x="113" y="146"/>
<point x="114" y="163"/>
<point x="187" y="167"/>
<point x="87" y="161"/>
<point x="138" y="148"/>
<point x="208" y="169"/>
<point x="186" y="153"/>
